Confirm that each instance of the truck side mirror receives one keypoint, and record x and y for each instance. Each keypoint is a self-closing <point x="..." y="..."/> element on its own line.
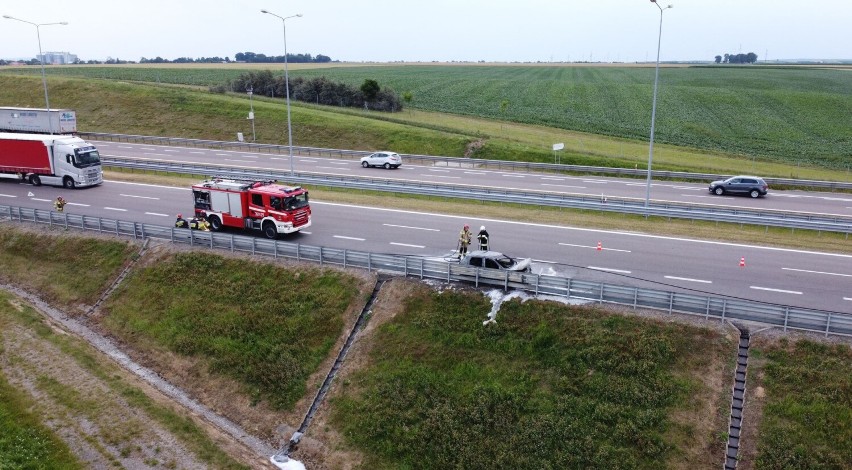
<point x="68" y="158"/>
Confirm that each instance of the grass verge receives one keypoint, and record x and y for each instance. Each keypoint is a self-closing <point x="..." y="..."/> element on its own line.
<point x="807" y="410"/>
<point x="265" y="326"/>
<point x="547" y="386"/>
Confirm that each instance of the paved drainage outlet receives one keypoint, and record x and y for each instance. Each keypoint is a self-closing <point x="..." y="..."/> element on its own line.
<point x="737" y="402"/>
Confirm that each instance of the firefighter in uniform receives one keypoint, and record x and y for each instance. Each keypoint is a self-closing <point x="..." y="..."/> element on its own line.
<point x="482" y="237"/>
<point x="464" y="240"/>
<point x="181" y="222"/>
<point x="59" y="204"/>
<point x="193" y="223"/>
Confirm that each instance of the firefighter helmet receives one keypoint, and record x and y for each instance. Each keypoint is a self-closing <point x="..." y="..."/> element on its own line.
<point x="180" y="216"/>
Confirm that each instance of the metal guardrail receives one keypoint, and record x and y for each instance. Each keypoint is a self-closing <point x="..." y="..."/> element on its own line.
<point x="786" y="317"/>
<point x="454" y="161"/>
<point x="793" y="220"/>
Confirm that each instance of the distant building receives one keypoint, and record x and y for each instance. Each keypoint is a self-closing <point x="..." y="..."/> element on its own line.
<point x="58" y="58"/>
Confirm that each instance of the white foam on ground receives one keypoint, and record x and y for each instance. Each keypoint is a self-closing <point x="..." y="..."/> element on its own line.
<point x="498" y="297"/>
<point x="290" y="464"/>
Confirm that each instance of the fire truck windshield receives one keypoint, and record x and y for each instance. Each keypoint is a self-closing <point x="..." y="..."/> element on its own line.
<point x="296" y="202"/>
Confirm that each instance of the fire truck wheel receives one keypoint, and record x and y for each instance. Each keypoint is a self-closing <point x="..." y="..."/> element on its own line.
<point x="215" y="223"/>
<point x="269" y="231"/>
<point x="35" y="180"/>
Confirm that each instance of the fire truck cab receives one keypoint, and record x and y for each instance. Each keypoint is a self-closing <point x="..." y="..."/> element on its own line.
<point x="252" y="205"/>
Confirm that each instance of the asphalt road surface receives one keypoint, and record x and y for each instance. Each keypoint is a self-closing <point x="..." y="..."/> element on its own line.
<point x="693" y="193"/>
<point x="784" y="276"/>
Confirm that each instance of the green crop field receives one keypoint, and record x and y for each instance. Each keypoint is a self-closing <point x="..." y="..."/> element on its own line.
<point x="800" y="116"/>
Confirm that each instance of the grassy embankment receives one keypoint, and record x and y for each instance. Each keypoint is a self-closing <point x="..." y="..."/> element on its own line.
<point x="807" y="405"/>
<point x="725" y="120"/>
<point x="72" y="271"/>
<point x="267" y="327"/>
<point x="547" y="386"/>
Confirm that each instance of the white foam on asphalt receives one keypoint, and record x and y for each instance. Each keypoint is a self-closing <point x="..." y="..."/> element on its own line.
<point x="290" y="464"/>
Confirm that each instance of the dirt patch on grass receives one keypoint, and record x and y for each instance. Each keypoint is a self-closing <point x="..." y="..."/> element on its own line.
<point x="102" y="427"/>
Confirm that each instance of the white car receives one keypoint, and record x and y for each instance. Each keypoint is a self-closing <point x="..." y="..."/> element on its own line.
<point x="386" y="160"/>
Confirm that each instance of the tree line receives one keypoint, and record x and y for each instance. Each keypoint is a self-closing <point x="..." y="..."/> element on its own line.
<point x="749" y="58"/>
<point x="318" y="90"/>
<point x="238" y="57"/>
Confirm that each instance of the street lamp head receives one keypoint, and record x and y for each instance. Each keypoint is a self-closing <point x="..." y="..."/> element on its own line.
<point x="63" y="23"/>
<point x="8" y="17"/>
<point x="264" y="11"/>
<point x="299" y="15"/>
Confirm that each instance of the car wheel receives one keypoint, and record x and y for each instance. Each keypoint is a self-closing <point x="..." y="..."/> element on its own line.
<point x="365" y="164"/>
<point x="719" y="191"/>
<point x="754" y="193"/>
<point x="387" y="166"/>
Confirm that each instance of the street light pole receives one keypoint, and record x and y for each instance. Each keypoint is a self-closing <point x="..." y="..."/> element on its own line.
<point x="654" y="105"/>
<point x="250" y="92"/>
<point x="40" y="59"/>
<point x="286" y="82"/>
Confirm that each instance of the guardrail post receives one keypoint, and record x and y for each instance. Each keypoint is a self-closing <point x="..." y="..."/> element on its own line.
<point x="707" y="312"/>
<point x="827" y="324"/>
<point x="66" y="220"/>
<point x="671" y="302"/>
<point x="724" y="305"/>
<point x="275" y="249"/>
<point x="344" y="258"/>
<point x="449" y="270"/>
<point x="320" y="256"/>
<point x="369" y="261"/>
<point x="116" y="228"/>
<point x="536" y="284"/>
<point x="568" y="290"/>
<point x="253" y="245"/>
<point x="477" y="277"/>
<point x="135" y="235"/>
<point x="232" y="243"/>
<point x="635" y="297"/>
<point x="600" y="297"/>
<point x="191" y="237"/>
<point x="786" y="317"/>
<point x="298" y="252"/>
<point x="405" y="266"/>
<point x="506" y="282"/>
<point x="211" y="239"/>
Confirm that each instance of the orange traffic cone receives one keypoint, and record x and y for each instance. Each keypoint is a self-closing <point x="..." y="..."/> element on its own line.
<point x="742" y="262"/>
<point x="599" y="246"/>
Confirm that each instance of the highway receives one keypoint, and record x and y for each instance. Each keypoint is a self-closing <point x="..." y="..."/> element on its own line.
<point x="784" y="276"/>
<point x="837" y="204"/>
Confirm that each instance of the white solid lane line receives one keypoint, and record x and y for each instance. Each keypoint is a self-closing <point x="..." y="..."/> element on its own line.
<point x="688" y="279"/>
<point x="115" y="209"/>
<point x="140" y="197"/>
<point x="595" y="247"/>
<point x="349" y="238"/>
<point x="170" y="150"/>
<point x="157" y="214"/>
<point x="77" y="204"/>
<point x="782" y="291"/>
<point x="39" y="199"/>
<point x="847" y="298"/>
<point x="405" y="244"/>
<point x="816" y="272"/>
<point x="563" y="186"/>
<point x="595" y="181"/>
<point x="197" y="153"/>
<point x="240" y="161"/>
<point x="414" y="228"/>
<point x="440" y="171"/>
<point x="514" y="176"/>
<point x="339" y="163"/>
<point x="7" y="195"/>
<point x="442" y="176"/>
<point x="609" y="270"/>
<point x="475" y="173"/>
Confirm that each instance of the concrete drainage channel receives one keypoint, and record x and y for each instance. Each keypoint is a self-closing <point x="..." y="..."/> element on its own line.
<point x="283" y="455"/>
<point x="737" y="402"/>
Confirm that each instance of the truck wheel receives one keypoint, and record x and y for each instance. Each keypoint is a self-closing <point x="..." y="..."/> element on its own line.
<point x="269" y="231"/>
<point x="68" y="183"/>
<point x="215" y="223"/>
<point x="35" y="180"/>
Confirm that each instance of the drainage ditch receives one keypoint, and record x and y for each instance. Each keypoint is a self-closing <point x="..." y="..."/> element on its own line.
<point x="326" y="384"/>
<point x="737" y="402"/>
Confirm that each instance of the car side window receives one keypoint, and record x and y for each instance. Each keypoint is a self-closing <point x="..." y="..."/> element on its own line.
<point x="490" y="263"/>
<point x="475" y="261"/>
<point x="748" y="181"/>
<point x="735" y="181"/>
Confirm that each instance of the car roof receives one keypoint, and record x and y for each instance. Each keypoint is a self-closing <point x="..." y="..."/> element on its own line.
<point x="747" y="176"/>
<point x="487" y="254"/>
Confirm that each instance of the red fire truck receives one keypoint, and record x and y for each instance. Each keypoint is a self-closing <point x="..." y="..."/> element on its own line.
<point x="252" y="205"/>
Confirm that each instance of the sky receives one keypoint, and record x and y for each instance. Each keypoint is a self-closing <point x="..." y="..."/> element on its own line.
<point x="433" y="30"/>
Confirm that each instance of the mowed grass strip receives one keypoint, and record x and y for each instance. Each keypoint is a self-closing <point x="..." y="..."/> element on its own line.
<point x="547" y="386"/>
<point x="265" y="326"/>
<point x="60" y="266"/>
<point x="25" y="442"/>
<point x="807" y="415"/>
